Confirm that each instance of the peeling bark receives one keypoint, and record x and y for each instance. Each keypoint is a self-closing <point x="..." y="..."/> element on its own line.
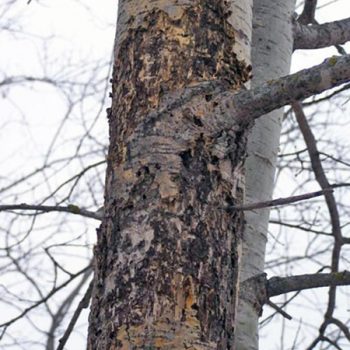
<point x="167" y="257"/>
<point x="168" y="252"/>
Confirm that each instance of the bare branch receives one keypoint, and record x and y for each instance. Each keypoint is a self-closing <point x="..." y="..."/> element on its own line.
<point x="279" y="310"/>
<point x="58" y="316"/>
<point x="71" y="208"/>
<point x="341" y="326"/>
<point x="328" y="97"/>
<point x="308" y="14"/>
<point x="250" y="104"/>
<point x="331" y="342"/>
<point x="45" y="299"/>
<point x="84" y="303"/>
<point x="282" y="285"/>
<point x="32" y="79"/>
<point x="320" y="175"/>
<point x="318" y="36"/>
<point x="322" y="180"/>
<point x="283" y="201"/>
<point x="299" y="227"/>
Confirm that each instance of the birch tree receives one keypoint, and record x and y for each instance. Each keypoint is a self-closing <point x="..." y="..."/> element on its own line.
<point x="198" y="91"/>
<point x="169" y="249"/>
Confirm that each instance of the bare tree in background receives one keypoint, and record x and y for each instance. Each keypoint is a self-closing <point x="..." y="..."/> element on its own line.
<point x="179" y="122"/>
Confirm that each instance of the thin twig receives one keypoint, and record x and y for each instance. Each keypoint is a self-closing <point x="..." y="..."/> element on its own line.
<point x="283" y="201"/>
<point x="46" y="298"/>
<point x="341" y="326"/>
<point x="71" y="208"/>
<point x="84" y="303"/>
<point x="320" y="175"/>
<point x="58" y="316"/>
<point x="279" y="310"/>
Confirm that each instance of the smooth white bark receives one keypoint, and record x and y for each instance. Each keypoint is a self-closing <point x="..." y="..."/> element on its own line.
<point x="271" y="54"/>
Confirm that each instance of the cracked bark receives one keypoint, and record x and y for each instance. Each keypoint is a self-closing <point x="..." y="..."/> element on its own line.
<point x="167" y="257"/>
<point x="168" y="252"/>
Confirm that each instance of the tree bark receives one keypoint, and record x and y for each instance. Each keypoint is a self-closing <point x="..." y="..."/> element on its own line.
<point x="168" y="251"/>
<point x="271" y="55"/>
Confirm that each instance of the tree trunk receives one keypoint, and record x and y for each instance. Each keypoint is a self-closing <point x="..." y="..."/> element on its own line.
<point x="272" y="45"/>
<point x="167" y="257"/>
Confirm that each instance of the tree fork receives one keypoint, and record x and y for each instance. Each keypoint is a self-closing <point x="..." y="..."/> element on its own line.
<point x="167" y="257"/>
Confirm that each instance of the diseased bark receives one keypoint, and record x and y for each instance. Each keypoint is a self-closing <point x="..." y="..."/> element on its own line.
<point x="167" y="257"/>
<point x="168" y="251"/>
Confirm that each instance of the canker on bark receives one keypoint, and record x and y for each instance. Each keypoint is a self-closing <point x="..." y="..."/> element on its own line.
<point x="166" y="261"/>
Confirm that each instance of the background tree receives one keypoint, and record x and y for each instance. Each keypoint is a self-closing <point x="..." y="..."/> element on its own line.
<point x="62" y="194"/>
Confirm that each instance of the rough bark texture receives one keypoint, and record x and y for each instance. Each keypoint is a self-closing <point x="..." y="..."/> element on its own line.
<point x="167" y="257"/>
<point x="318" y="36"/>
<point x="254" y="103"/>
<point x="271" y="55"/>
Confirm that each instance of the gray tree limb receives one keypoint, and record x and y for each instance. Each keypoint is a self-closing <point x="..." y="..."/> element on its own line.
<point x="71" y="208"/>
<point x="308" y="14"/>
<point x="250" y="104"/>
<point x="53" y="291"/>
<point x="317" y="36"/>
<point x="84" y="303"/>
<point x="283" y="201"/>
<point x="282" y="285"/>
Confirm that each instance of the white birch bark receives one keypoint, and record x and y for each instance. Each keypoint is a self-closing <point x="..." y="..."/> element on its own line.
<point x="271" y="54"/>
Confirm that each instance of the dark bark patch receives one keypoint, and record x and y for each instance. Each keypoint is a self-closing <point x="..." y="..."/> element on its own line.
<point x="208" y="98"/>
<point x="181" y="265"/>
<point x="199" y="249"/>
<point x="186" y="158"/>
<point x="162" y="54"/>
<point x="197" y="121"/>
